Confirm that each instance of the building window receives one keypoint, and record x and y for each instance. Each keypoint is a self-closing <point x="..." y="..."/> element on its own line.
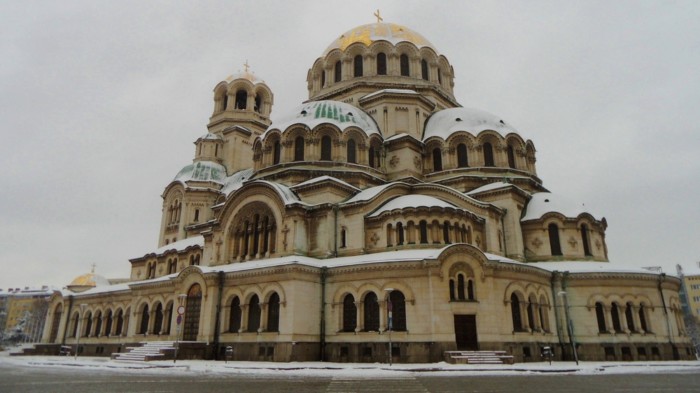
<point x="158" y="323"/>
<point x="234" y="319"/>
<point x="405" y="69"/>
<point x="452" y="289"/>
<point x="88" y="324"/>
<point x="389" y="235"/>
<point x="643" y="318"/>
<point x="423" y="231"/>
<point x="462" y="161"/>
<point x="224" y="104"/>
<point x="515" y="313"/>
<point x="600" y="316"/>
<point x="343" y="238"/>
<point x="241" y="99"/>
<point x="531" y="307"/>
<point x="397" y="304"/>
<point x="358" y="66"/>
<point x="437" y="159"/>
<point x="276" y="150"/>
<point x="299" y="149"/>
<point x="629" y="317"/>
<point x="144" y="320"/>
<point x="326" y="148"/>
<point x="349" y="313"/>
<point x="460" y="287"/>
<point x="488" y="154"/>
<point x="381" y="63"/>
<point x="371" y="312"/>
<point x="615" y="314"/>
<point x="511" y="157"/>
<point x="399" y="234"/>
<point x="446" y="232"/>
<point x="273" y="313"/>
<point x="254" y="314"/>
<point x="554" y="239"/>
<point x="584" y="240"/>
<point x="120" y="323"/>
<point x="338" y="71"/>
<point x="424" y="69"/>
<point x="352" y="151"/>
<point x="323" y="79"/>
<point x="196" y="215"/>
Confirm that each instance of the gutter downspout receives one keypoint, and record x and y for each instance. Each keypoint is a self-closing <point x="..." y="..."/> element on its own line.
<point x="217" y="327"/>
<point x="557" y="316"/>
<point x="662" y="278"/>
<point x="322" y="341"/>
<point x="335" y="230"/>
<point x="503" y="232"/>
<point x="65" y="329"/>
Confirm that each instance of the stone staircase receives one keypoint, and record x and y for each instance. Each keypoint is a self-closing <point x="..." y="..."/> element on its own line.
<point x="149" y="350"/>
<point x="478" y="357"/>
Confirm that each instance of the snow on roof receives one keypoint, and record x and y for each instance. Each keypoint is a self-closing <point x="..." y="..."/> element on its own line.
<point x="181" y="244"/>
<point x="372" y="32"/>
<point x="490" y="187"/>
<point x="446" y="122"/>
<point x="415" y="200"/>
<point x="336" y="113"/>
<point x="210" y="136"/>
<point x="399" y="136"/>
<point x="288" y="196"/>
<point x="368" y="193"/>
<point x="202" y="171"/>
<point x="324" y="178"/>
<point x="546" y="202"/>
<point x="589" y="267"/>
<point x="236" y="180"/>
<point x="389" y="91"/>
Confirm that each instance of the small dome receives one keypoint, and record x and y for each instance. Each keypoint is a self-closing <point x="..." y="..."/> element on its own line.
<point x="202" y="171"/>
<point x="546" y="202"/>
<point x="448" y="121"/>
<point x="337" y="113"/>
<point x="367" y="34"/>
<point x="87" y="281"/>
<point x="247" y="75"/>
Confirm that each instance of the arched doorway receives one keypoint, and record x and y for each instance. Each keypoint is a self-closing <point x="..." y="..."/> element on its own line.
<point x="55" y="323"/>
<point x="193" y="306"/>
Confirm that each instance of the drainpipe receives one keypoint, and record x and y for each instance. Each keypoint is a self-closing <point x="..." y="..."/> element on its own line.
<point x="503" y="232"/>
<point x="662" y="278"/>
<point x="65" y="329"/>
<point x="322" y="342"/>
<point x="335" y="230"/>
<point x="555" y="277"/>
<point x="217" y="327"/>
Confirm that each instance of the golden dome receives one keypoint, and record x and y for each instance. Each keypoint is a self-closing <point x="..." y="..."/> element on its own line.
<point x="88" y="280"/>
<point x="367" y="34"/>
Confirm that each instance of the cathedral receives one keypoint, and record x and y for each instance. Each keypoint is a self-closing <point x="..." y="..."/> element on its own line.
<point x="379" y="219"/>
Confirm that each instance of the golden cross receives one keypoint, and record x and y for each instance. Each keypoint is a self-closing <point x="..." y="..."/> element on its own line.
<point x="93" y="268"/>
<point x="379" y="17"/>
<point x="246" y="66"/>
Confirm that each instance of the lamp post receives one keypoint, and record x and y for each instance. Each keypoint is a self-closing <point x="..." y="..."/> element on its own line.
<point x="180" y="312"/>
<point x="389" y="320"/>
<point x="83" y="306"/>
<point x="569" y="325"/>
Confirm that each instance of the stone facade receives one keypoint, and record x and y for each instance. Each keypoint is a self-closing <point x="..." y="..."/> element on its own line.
<point x="296" y="239"/>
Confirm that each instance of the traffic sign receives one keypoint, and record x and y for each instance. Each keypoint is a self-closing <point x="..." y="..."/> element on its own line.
<point x="179" y="319"/>
<point x="180" y="310"/>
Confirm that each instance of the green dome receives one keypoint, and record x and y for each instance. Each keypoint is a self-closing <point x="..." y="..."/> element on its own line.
<point x="202" y="171"/>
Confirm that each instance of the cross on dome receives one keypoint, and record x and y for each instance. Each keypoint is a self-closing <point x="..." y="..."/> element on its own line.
<point x="379" y="16"/>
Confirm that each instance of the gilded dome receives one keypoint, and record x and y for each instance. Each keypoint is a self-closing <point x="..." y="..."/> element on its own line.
<point x="367" y="34"/>
<point x="247" y="75"/>
<point x="87" y="281"/>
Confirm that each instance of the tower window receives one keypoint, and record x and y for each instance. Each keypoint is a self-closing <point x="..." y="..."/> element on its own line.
<point x="488" y="154"/>
<point x="258" y="104"/>
<point x="352" y="151"/>
<point x="511" y="157"/>
<point x="338" y="71"/>
<point x="358" y="66"/>
<point x="405" y="69"/>
<point x="323" y="78"/>
<point x="554" y="244"/>
<point x="584" y="240"/>
<point x="325" y="148"/>
<point x="462" y="160"/>
<point x="224" y="101"/>
<point x="437" y="159"/>
<point x="424" y="69"/>
<point x="241" y="99"/>
<point x="276" y="149"/>
<point x="381" y="63"/>
<point x="196" y="215"/>
<point x="299" y="149"/>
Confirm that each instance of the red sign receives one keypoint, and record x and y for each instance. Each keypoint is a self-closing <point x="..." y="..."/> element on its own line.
<point x="179" y="319"/>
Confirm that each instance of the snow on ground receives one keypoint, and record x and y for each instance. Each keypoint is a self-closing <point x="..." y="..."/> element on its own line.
<point x="325" y="369"/>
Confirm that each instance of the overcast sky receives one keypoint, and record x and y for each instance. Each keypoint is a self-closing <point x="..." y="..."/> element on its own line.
<point x="101" y="101"/>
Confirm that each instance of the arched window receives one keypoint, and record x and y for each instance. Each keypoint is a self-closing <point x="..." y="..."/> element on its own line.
<point x="470" y="289"/>
<point x="343" y="237"/>
<point x="88" y="324"/>
<point x="56" y="323"/>
<point x="110" y="322"/>
<point x="462" y="161"/>
<point x="615" y="314"/>
<point x="323" y="79"/>
<point x="254" y="314"/>
<point x="276" y="152"/>
<point x="452" y="289"/>
<point x="234" y="318"/>
<point x="373" y="157"/>
<point x="446" y="232"/>
<point x="600" y="316"/>
<point x="531" y="308"/>
<point x="258" y="104"/>
<point x="338" y="71"/>
<point x="381" y="63"/>
<point x="389" y="235"/>
<point x="224" y="102"/>
<point x="460" y="287"/>
<point x="144" y="320"/>
<point x="98" y="324"/>
<point x="511" y="157"/>
<point x="158" y="323"/>
<point x="349" y="314"/>
<point x="554" y="244"/>
<point x="629" y="316"/>
<point x="325" y="148"/>
<point x="352" y="151"/>
<point x="423" y="231"/>
<point x="585" y="241"/>
<point x="439" y="76"/>
<point x="357" y="66"/>
<point x="399" y="234"/>
<point x="241" y="99"/>
<point x="424" y="69"/>
<point x="437" y="159"/>
<point x="515" y="313"/>
<point x="120" y="323"/>
<point x="643" y="318"/>
<point x="405" y="69"/>
<point x="76" y="321"/>
<point x="299" y="148"/>
<point x="273" y="313"/>
<point x="397" y="304"/>
<point x="371" y="312"/>
<point x="488" y="154"/>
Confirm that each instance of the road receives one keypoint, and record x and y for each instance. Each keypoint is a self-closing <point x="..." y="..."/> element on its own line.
<point x="72" y="380"/>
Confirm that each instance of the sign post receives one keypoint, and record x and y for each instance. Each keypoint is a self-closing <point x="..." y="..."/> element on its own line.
<point x="180" y="313"/>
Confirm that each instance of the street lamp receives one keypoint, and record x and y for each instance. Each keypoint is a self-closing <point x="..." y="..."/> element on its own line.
<point x="390" y="322"/>
<point x="569" y="325"/>
<point x="180" y="312"/>
<point x="83" y="306"/>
